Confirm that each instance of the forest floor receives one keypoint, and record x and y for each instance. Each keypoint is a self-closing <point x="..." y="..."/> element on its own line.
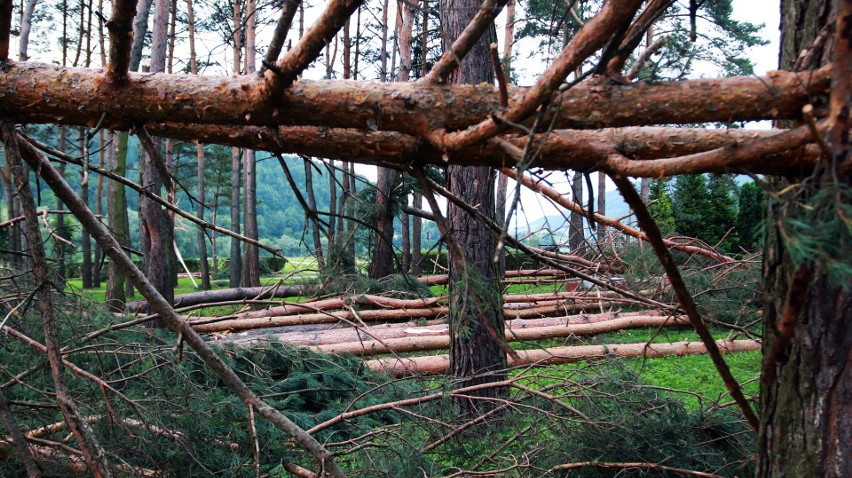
<point x="691" y="378"/>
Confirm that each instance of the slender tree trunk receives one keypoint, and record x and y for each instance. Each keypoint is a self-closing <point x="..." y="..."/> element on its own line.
<point x="86" y="240"/>
<point x="236" y="256"/>
<point x="576" y="236"/>
<point x="383" y="256"/>
<point x="200" y="167"/>
<point x="805" y="409"/>
<point x="350" y="244"/>
<point x="99" y="208"/>
<point x="332" y="204"/>
<point x="476" y="309"/>
<point x="117" y="214"/>
<point x="602" y="205"/>
<point x="416" y="242"/>
<point x="251" y="262"/>
<point x="118" y="289"/>
<point x="59" y="221"/>
<point x="312" y="203"/>
<point x="502" y="180"/>
<point x="26" y="26"/>
<point x="156" y="227"/>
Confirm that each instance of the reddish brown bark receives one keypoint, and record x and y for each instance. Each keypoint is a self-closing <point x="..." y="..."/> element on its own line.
<point x="120" y="26"/>
<point x="562" y="149"/>
<point x="43" y="93"/>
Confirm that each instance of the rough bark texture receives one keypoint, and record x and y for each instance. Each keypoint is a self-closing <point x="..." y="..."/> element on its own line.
<point x="34" y="92"/>
<point x="236" y="258"/>
<point x="476" y="318"/>
<point x="383" y="254"/>
<point x="156" y="227"/>
<point x="806" y="394"/>
<point x="251" y="261"/>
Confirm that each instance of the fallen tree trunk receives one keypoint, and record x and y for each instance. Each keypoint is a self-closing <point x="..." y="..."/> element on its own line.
<point x="395" y="331"/>
<point x="224" y="295"/>
<point x="377" y="346"/>
<point x="435" y="364"/>
<point x="237" y="323"/>
<point x="41" y="93"/>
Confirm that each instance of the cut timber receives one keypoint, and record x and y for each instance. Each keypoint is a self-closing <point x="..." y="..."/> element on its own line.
<point x="41" y="93"/>
<point x="224" y="295"/>
<point x="559" y="355"/>
<point x="236" y="323"/>
<point x="411" y="330"/>
<point x="442" y="342"/>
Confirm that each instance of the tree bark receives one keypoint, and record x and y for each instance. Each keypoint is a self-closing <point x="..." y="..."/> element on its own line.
<point x="156" y="227"/>
<point x="312" y="204"/>
<point x="382" y="264"/>
<point x="39" y="93"/>
<point x="86" y="240"/>
<point x="26" y="26"/>
<point x="576" y="232"/>
<point x="806" y="411"/>
<point x="236" y="256"/>
<point x="251" y="261"/>
<point x="476" y="311"/>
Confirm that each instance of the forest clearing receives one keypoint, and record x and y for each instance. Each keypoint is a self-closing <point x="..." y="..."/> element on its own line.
<point x="457" y="238"/>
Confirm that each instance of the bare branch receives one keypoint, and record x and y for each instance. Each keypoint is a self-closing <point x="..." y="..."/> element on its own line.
<point x="647" y="223"/>
<point x="279" y="36"/>
<point x="113" y="250"/>
<point x="309" y="47"/>
<point x="451" y="59"/>
<point x="120" y="27"/>
<point x="591" y="37"/>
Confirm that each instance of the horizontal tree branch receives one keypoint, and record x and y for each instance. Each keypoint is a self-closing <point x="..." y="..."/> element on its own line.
<point x="39" y="93"/>
<point x="563" y="149"/>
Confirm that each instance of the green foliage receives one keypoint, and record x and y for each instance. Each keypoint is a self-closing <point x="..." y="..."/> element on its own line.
<point x="633" y="423"/>
<point x="706" y="209"/>
<point x="818" y="231"/>
<point x="185" y="422"/>
<point x="750" y="216"/>
<point x="719" y="39"/>
<point x="661" y="207"/>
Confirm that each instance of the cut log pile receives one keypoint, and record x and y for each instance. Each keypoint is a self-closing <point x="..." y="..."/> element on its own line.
<point x="339" y="325"/>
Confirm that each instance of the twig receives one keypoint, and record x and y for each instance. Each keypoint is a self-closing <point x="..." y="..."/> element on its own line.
<point x="113" y="250"/>
<point x="652" y="231"/>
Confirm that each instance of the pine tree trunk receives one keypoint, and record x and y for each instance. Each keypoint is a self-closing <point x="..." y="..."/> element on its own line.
<point x="806" y="409"/>
<point x="312" y="203"/>
<point x="201" y="237"/>
<point x="476" y="309"/>
<point x="236" y="257"/>
<point x="251" y="262"/>
<point x="416" y="241"/>
<point x="156" y="226"/>
<point x="382" y="264"/>
<point x="86" y="240"/>
<point x="99" y="208"/>
<point x="602" y="205"/>
<point x="576" y="236"/>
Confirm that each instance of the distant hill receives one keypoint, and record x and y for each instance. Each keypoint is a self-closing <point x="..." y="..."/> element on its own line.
<point x="557" y="225"/>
